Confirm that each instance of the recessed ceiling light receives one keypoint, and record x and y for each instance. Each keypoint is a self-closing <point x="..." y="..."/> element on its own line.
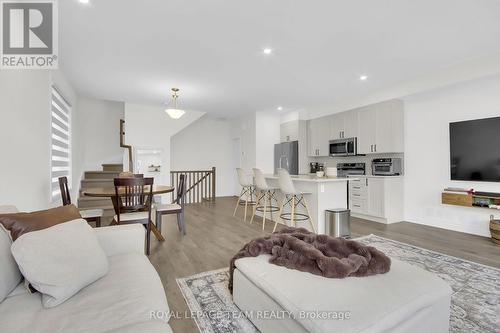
<point x="83" y="1"/>
<point x="267" y="51"/>
<point x="363" y="77"/>
<point x="279" y="108"/>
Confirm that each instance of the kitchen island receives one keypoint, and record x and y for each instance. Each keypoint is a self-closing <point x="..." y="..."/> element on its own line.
<point x="325" y="193"/>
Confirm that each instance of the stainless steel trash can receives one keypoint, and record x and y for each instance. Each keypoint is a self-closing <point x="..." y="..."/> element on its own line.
<point x="338" y="222"/>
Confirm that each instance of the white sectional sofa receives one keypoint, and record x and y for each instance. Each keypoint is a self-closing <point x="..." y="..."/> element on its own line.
<point x="121" y="301"/>
<point x="407" y="299"/>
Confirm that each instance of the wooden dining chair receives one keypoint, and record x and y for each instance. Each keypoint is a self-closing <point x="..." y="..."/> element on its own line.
<point x="132" y="203"/>
<point x="176" y="207"/>
<point x="128" y="174"/>
<point x="90" y="215"/>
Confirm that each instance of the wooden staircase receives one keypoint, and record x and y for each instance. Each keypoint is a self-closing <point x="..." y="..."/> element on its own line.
<point x="102" y="178"/>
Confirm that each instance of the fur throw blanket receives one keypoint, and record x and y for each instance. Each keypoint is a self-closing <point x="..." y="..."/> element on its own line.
<point x="299" y="249"/>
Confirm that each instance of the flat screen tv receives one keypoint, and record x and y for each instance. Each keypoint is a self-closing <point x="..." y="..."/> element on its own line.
<point x="475" y="150"/>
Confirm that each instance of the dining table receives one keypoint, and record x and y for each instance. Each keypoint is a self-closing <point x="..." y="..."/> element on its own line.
<point x="109" y="192"/>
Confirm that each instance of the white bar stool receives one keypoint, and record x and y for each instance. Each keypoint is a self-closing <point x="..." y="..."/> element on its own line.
<point x="267" y="193"/>
<point x="293" y="197"/>
<point x="247" y="191"/>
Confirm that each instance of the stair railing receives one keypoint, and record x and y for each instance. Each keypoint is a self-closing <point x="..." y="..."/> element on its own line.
<point x="123" y="145"/>
<point x="200" y="185"/>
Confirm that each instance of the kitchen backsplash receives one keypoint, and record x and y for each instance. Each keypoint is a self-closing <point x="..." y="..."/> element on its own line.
<point x="367" y="159"/>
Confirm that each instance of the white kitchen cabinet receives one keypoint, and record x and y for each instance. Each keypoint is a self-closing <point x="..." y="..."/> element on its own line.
<point x="358" y="196"/>
<point x="318" y="134"/>
<point x="351" y="124"/>
<point x="381" y="128"/>
<point x="336" y="126"/>
<point x="378" y="199"/>
<point x="289" y="131"/>
<point x="390" y="128"/>
<point x="344" y="125"/>
<point x="378" y="127"/>
<point x="367" y="131"/>
<point x="375" y="196"/>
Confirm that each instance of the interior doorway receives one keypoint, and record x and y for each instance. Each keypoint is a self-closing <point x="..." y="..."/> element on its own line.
<point x="236" y="164"/>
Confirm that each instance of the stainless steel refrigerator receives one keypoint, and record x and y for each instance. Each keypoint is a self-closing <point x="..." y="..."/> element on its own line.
<point x="286" y="156"/>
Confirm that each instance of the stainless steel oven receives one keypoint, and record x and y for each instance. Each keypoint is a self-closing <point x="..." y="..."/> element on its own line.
<point x="343" y="147"/>
<point x="387" y="167"/>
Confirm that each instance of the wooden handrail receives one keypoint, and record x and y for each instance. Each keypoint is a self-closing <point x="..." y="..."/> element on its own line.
<point x="123" y="145"/>
<point x="200" y="185"/>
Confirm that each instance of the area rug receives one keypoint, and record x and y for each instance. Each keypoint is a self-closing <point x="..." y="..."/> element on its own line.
<point x="475" y="300"/>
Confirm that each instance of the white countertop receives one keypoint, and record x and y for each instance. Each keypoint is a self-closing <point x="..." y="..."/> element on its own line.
<point x="313" y="178"/>
<point x="372" y="176"/>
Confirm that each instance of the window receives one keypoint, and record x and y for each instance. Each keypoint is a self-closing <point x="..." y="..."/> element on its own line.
<point x="60" y="156"/>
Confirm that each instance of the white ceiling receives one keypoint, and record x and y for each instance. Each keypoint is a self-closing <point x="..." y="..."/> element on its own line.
<point x="135" y="51"/>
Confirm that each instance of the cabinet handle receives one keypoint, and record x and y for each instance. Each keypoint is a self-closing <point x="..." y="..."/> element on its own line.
<point x="356" y="187"/>
<point x="366" y="180"/>
<point x="357" y="206"/>
<point x="356" y="195"/>
<point x="371" y="148"/>
<point x="375" y="147"/>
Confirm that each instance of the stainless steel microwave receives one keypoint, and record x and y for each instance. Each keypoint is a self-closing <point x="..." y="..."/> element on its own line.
<point x="343" y="147"/>
<point x="387" y="167"/>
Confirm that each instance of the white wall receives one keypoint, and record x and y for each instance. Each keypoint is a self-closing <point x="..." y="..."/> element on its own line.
<point x="243" y="128"/>
<point x="459" y="72"/>
<point x="427" y="153"/>
<point x="149" y="127"/>
<point x="267" y="126"/>
<point x="204" y="144"/>
<point x="98" y="131"/>
<point x="301" y="114"/>
<point x="25" y="136"/>
<point x="258" y="132"/>
<point x="25" y="139"/>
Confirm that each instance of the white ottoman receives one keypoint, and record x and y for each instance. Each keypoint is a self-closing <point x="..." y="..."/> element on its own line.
<point x="277" y="299"/>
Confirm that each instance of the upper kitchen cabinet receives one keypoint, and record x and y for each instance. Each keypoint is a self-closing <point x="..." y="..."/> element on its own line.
<point x="344" y="125"/>
<point x="367" y="131"/>
<point x="351" y="124"/>
<point x="289" y="131"/>
<point x="296" y="130"/>
<point x="381" y="128"/>
<point x="390" y="128"/>
<point x="336" y="126"/>
<point x="318" y="136"/>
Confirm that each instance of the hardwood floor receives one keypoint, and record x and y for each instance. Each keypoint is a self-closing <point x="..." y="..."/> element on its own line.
<point x="214" y="235"/>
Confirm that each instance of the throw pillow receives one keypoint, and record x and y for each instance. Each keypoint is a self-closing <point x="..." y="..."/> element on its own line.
<point x="21" y="223"/>
<point x="10" y="276"/>
<point x="61" y="260"/>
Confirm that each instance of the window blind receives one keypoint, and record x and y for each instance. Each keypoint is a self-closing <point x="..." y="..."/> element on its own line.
<point x="60" y="141"/>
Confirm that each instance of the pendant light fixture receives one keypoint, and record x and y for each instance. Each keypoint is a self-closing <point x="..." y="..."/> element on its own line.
<point x="174" y="112"/>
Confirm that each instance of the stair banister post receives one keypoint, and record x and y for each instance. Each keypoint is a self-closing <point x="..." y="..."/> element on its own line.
<point x="213" y="183"/>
